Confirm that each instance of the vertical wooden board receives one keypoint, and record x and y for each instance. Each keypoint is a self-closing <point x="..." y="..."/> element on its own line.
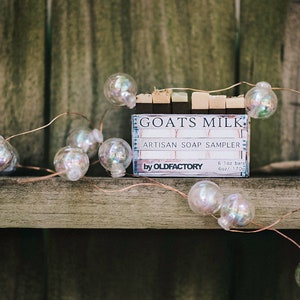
<point x="198" y="265"/>
<point x="87" y="47"/>
<point x="110" y="51"/>
<point x="267" y="262"/>
<point x="182" y="44"/>
<point x="143" y="264"/>
<point x="157" y="42"/>
<point x="71" y="83"/>
<point x="290" y="109"/>
<point x="22" y="272"/>
<point x="102" y="264"/>
<point x="288" y="287"/>
<point x="22" y="27"/>
<point x="261" y="39"/>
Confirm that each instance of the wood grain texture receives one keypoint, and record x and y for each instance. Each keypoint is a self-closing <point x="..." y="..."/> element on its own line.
<point x="182" y="44"/>
<point x="56" y="203"/>
<point x="290" y="109"/>
<point x="22" y="264"/>
<point x="146" y="264"/>
<point x="261" y="257"/>
<point x="22" y="65"/>
<point x="143" y="264"/>
<point x="170" y="264"/>
<point x="87" y="47"/>
<point x="160" y="43"/>
<point x="261" y="42"/>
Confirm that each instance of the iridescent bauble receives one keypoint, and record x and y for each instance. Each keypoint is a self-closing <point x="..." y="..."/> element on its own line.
<point x="71" y="163"/>
<point x="86" y="139"/>
<point x="115" y="155"/>
<point x="7" y="154"/>
<point x="120" y="89"/>
<point x="205" y="197"/>
<point x="261" y="101"/>
<point x="12" y="166"/>
<point x="236" y="211"/>
<point x="297" y="275"/>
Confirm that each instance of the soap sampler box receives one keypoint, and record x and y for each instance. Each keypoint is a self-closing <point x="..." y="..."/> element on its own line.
<point x="211" y="139"/>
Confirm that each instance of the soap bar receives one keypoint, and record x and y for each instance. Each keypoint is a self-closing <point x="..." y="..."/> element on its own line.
<point x="235" y="105"/>
<point x="217" y="104"/>
<point x="200" y="103"/>
<point x="161" y="101"/>
<point x="180" y="103"/>
<point x="144" y="103"/>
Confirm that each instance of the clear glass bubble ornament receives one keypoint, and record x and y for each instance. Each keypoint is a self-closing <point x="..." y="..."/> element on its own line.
<point x="297" y="275"/>
<point x="120" y="89"/>
<point x="71" y="163"/>
<point x="205" y="197"/>
<point x="12" y="166"/>
<point x="236" y="211"/>
<point x="6" y="154"/>
<point x="86" y="139"/>
<point x="115" y="155"/>
<point x="261" y="101"/>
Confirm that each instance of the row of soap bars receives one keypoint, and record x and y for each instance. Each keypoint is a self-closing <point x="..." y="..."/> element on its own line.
<point x="169" y="102"/>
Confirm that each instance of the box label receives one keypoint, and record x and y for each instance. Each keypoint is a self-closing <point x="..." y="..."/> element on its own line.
<point x="190" y="145"/>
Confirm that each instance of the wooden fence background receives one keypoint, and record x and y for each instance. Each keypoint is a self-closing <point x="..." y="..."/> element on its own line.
<point x="55" y="56"/>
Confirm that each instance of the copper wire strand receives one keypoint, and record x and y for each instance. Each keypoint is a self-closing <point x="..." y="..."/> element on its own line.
<point x="227" y="88"/>
<point x="152" y="183"/>
<point x="48" y="124"/>
<point x="95" y="162"/>
<point x="286" y="89"/>
<point x="280" y="233"/>
<point x="167" y="187"/>
<point x="36" y="168"/>
<point x="213" y="216"/>
<point x="271" y="227"/>
<point x="125" y="188"/>
<point x="207" y="91"/>
<point x="42" y="178"/>
<point x="102" y="118"/>
<point x="108" y="110"/>
<point x="286" y="237"/>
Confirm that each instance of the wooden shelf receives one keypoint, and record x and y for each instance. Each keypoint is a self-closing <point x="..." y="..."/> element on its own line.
<point x="57" y="203"/>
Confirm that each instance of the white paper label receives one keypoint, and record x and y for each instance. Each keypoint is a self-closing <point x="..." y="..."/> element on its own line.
<point x="190" y="145"/>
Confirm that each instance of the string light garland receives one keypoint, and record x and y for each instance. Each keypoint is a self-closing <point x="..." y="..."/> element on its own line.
<point x="206" y="199"/>
<point x="115" y="155"/>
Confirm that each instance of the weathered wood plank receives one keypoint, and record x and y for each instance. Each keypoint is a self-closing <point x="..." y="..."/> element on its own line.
<point x="22" y="65"/>
<point x="139" y="264"/>
<point x="290" y="109"/>
<point x="22" y="264"/>
<point x="170" y="264"/>
<point x="262" y="30"/>
<point x="260" y="256"/>
<point x="87" y="47"/>
<point x="57" y="203"/>
<point x="173" y="45"/>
